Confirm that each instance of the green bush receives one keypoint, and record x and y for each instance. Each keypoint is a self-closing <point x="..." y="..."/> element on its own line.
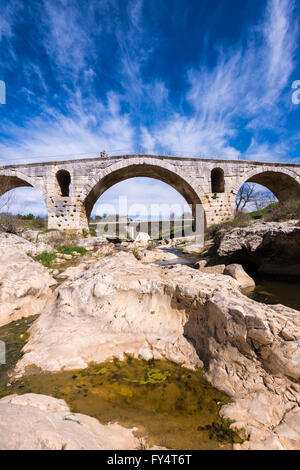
<point x="282" y="211"/>
<point x="70" y="249"/>
<point x="46" y="258"/>
<point x="240" y="220"/>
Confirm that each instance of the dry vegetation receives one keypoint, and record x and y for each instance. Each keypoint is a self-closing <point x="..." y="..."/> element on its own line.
<point x="275" y="212"/>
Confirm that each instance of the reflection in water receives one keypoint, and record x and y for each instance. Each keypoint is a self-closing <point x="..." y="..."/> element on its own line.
<point x="172" y="406"/>
<point x="276" y="291"/>
<point x="182" y="258"/>
<point x="272" y="291"/>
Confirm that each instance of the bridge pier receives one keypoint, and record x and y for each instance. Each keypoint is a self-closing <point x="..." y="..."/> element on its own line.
<point x="66" y="213"/>
<point x="218" y="207"/>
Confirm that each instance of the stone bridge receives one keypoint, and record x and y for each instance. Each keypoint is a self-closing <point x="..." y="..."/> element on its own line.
<point x="71" y="188"/>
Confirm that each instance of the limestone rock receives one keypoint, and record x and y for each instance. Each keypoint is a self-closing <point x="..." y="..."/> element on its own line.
<point x="151" y="256"/>
<point x="118" y="304"/>
<point x="39" y="422"/>
<point x="52" y="236"/>
<point x="91" y="242"/>
<point x="202" y="266"/>
<point x="142" y="238"/>
<point x="24" y="283"/>
<point x="272" y="246"/>
<point x="30" y="235"/>
<point x="191" y="249"/>
<point x="237" y="272"/>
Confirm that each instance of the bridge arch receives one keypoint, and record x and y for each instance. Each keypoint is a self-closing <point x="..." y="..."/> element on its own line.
<point x="283" y="183"/>
<point x="123" y="170"/>
<point x="14" y="179"/>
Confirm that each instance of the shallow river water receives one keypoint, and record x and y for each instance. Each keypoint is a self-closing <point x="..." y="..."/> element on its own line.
<point x="174" y="407"/>
<point x="268" y="290"/>
<point x="171" y="406"/>
<point x="276" y="291"/>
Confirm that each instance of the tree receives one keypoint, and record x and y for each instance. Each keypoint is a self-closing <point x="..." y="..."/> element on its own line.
<point x="244" y="196"/>
<point x="7" y="222"/>
<point x="250" y="195"/>
<point x="6" y="195"/>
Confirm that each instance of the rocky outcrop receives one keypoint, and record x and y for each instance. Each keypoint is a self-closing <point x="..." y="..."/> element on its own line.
<point x="193" y="249"/>
<point x="204" y="268"/>
<point x="249" y="350"/>
<point x="274" y="247"/>
<point x="142" y="238"/>
<point x="39" y="422"/>
<point x="156" y="255"/>
<point x="92" y="243"/>
<point x="237" y="272"/>
<point x="11" y="241"/>
<point x="24" y="283"/>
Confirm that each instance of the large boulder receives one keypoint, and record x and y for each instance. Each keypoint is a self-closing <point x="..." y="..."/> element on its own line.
<point x="39" y="422"/>
<point x="24" y="283"/>
<point x="193" y="249"/>
<point x="237" y="272"/>
<point x="272" y="246"/>
<point x="91" y="243"/>
<point x="142" y="238"/>
<point x="248" y="349"/>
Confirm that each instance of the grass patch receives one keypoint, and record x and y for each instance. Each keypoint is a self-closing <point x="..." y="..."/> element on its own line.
<point x="262" y="212"/>
<point x="12" y="223"/>
<point x="45" y="258"/>
<point x="275" y="212"/>
<point x="70" y="250"/>
<point x="218" y="230"/>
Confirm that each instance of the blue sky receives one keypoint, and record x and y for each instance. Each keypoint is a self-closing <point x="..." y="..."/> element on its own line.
<point x="191" y="77"/>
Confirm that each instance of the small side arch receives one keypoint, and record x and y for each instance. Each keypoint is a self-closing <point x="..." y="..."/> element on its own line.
<point x="217" y="181"/>
<point x="63" y="179"/>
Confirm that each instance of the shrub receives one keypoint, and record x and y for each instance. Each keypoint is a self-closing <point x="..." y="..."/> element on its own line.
<point x="45" y="258"/>
<point x="70" y="249"/>
<point x="218" y="230"/>
<point x="283" y="211"/>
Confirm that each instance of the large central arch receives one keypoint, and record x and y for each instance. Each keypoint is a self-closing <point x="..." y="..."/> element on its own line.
<point x="116" y="175"/>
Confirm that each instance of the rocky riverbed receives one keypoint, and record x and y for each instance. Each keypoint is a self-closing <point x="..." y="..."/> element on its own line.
<point x="273" y="247"/>
<point x="118" y="304"/>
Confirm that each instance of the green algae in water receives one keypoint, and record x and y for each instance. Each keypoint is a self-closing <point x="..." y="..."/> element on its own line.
<point x="170" y="405"/>
<point x="15" y="336"/>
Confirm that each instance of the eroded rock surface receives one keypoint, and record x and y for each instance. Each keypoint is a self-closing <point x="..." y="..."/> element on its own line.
<point x="237" y="272"/>
<point x="272" y="246"/>
<point x="24" y="283"/>
<point x="39" y="422"/>
<point x="249" y="350"/>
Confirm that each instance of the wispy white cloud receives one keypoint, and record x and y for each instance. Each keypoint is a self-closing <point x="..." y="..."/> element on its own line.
<point x="246" y="83"/>
<point x="88" y="127"/>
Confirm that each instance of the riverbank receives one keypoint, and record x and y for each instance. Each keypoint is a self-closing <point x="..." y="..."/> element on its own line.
<point x="124" y="304"/>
